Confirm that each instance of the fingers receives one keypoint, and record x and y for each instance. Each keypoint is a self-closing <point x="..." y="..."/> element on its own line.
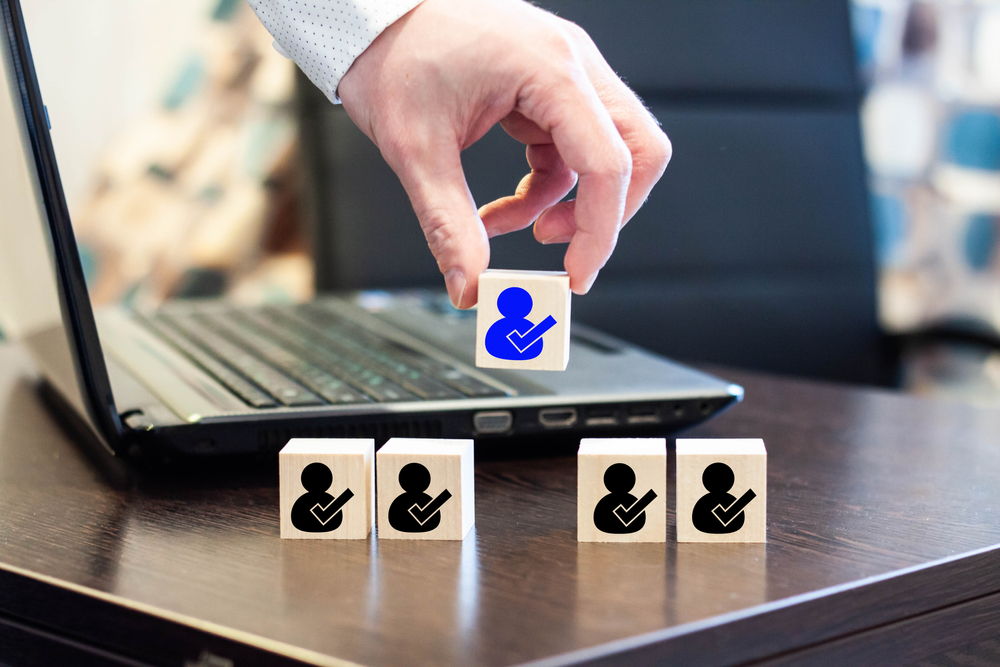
<point x="557" y="224"/>
<point x="549" y="181"/>
<point x="585" y="224"/>
<point x="447" y="213"/>
<point x="590" y="144"/>
<point x="524" y="130"/>
<point x="650" y="148"/>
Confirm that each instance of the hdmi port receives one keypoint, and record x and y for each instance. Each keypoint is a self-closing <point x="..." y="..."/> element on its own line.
<point x="557" y="417"/>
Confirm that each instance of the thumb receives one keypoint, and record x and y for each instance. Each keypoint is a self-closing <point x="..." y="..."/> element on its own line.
<point x="447" y="213"/>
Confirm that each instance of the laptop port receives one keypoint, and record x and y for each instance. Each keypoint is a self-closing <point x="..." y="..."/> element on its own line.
<point x="498" y="421"/>
<point x="557" y="417"/>
<point x="601" y="416"/>
<point x="643" y="414"/>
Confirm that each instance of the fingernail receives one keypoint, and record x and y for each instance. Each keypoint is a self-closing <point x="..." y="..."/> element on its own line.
<point x="455" y="280"/>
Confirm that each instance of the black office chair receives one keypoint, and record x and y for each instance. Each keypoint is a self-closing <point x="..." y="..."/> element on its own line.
<point x="756" y="247"/>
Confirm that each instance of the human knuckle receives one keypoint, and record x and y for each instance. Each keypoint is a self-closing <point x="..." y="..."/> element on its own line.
<point x="667" y="147"/>
<point x="575" y="32"/>
<point x="394" y="149"/>
<point x="433" y="220"/>
<point x="606" y="244"/>
<point x="559" y="44"/>
<point x="661" y="150"/>
<point x="437" y="230"/>
<point x="619" y="162"/>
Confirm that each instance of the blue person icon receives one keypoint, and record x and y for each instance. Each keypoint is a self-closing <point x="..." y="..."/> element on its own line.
<point x="513" y="336"/>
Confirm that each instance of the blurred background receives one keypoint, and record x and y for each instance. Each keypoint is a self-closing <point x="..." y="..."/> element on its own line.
<point x="176" y="136"/>
<point x="831" y="210"/>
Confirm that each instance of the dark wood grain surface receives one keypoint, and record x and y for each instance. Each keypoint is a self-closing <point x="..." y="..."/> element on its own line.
<point x="881" y="508"/>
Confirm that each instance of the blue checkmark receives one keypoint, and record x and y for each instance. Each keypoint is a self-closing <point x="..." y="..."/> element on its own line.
<point x="523" y="342"/>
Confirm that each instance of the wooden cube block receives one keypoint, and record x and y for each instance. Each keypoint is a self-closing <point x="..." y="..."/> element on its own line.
<point x="622" y="490"/>
<point x="721" y="490"/>
<point x="522" y="320"/>
<point x="327" y="488"/>
<point x="426" y="489"/>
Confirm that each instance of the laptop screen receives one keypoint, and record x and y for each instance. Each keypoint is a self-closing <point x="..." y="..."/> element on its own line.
<point x="176" y="140"/>
<point x="39" y="301"/>
<point x="185" y="185"/>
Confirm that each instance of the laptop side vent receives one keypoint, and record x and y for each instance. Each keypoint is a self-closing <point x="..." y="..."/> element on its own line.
<point x="273" y="439"/>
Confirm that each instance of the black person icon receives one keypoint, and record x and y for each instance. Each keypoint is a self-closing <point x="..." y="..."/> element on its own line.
<point x="414" y="511"/>
<point x="620" y="512"/>
<point x="719" y="512"/>
<point x="316" y="511"/>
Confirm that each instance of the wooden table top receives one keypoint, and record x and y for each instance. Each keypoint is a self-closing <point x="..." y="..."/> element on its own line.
<point x="881" y="506"/>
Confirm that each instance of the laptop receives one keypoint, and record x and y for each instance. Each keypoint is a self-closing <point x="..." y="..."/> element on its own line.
<point x="209" y="378"/>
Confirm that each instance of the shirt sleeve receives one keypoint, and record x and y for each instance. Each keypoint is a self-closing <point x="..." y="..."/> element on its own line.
<point x="324" y="37"/>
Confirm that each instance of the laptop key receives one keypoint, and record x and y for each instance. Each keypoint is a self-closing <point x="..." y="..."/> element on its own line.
<point x="318" y="351"/>
<point x="384" y="390"/>
<point x="286" y="391"/>
<point x="447" y="374"/>
<point x="368" y="348"/>
<point x="421" y="384"/>
<point x="469" y="385"/>
<point x="429" y="388"/>
<point x="327" y="386"/>
<point x="321" y="382"/>
<point x="247" y="392"/>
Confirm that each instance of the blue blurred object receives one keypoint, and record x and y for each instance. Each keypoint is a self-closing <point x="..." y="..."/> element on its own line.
<point x="88" y="260"/>
<point x="266" y="139"/>
<point x="972" y="139"/>
<point x="980" y="241"/>
<point x="889" y="217"/>
<point x="225" y="10"/>
<point x="187" y="84"/>
<point x="866" y="21"/>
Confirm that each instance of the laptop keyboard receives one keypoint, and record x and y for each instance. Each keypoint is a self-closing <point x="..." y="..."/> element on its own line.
<point x="306" y="355"/>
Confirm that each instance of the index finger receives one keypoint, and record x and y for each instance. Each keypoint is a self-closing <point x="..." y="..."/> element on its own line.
<point x="588" y="141"/>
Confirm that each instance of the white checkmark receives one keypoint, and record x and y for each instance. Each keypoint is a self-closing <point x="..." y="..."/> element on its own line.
<point x="323" y="509"/>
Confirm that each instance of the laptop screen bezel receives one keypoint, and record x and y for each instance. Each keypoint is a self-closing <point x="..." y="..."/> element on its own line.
<point x="74" y="298"/>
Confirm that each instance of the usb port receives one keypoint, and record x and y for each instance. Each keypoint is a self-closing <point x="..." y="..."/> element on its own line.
<point x="601" y="416"/>
<point x="557" y="417"/>
<point x="643" y="414"/>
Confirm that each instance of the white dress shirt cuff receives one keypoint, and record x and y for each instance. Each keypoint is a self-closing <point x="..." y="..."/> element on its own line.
<point x="324" y="37"/>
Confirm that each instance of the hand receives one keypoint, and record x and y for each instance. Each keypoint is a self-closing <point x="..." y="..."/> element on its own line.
<point x="440" y="77"/>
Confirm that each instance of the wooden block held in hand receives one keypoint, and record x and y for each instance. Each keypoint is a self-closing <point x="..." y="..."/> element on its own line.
<point x="426" y="489"/>
<point x="522" y="320"/>
<point x="327" y="488"/>
<point x="622" y="490"/>
<point x="721" y="490"/>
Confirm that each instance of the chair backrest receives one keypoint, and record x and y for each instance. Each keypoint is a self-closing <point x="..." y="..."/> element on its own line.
<point x="755" y="249"/>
